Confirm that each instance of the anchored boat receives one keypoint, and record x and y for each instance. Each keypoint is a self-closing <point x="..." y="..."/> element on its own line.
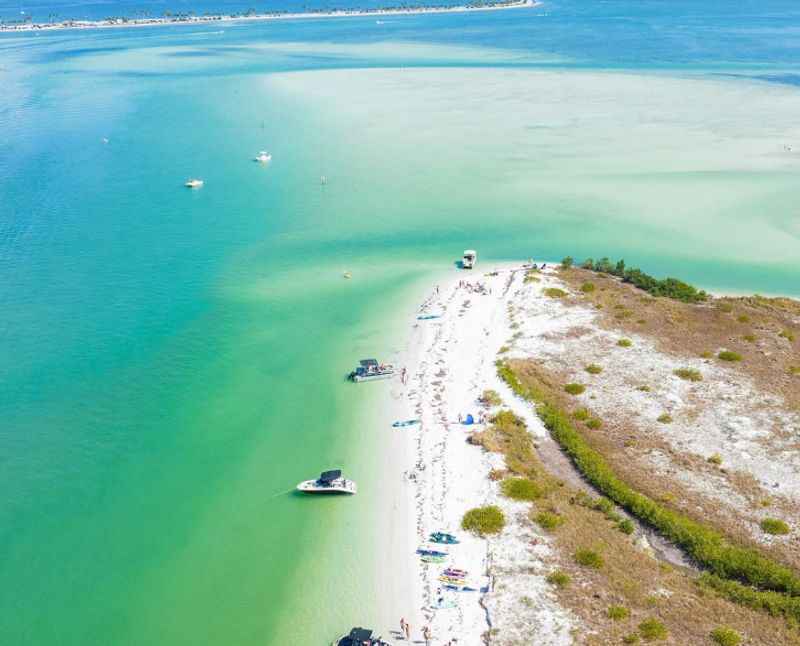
<point x="193" y="183"/>
<point x="371" y="370"/>
<point x="328" y="482"/>
<point x="359" y="637"/>
<point x="263" y="157"/>
<point x="469" y="259"/>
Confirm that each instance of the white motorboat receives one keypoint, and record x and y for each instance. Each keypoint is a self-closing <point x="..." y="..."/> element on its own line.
<point x="193" y="183"/>
<point x="469" y="259"/>
<point x="263" y="157"/>
<point x="371" y="370"/>
<point x="328" y="482"/>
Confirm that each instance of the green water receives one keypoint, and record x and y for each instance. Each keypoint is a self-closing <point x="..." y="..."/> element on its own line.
<point x="172" y="361"/>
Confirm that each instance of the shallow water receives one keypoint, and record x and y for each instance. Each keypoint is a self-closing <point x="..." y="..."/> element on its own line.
<point x="172" y="360"/>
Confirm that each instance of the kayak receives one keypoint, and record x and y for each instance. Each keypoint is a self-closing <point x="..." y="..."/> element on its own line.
<point x="432" y="559"/>
<point x="452" y="580"/>
<point x="428" y="317"/>
<point x="408" y="422"/>
<point x="455" y="573"/>
<point x="441" y="537"/>
<point x="430" y="552"/>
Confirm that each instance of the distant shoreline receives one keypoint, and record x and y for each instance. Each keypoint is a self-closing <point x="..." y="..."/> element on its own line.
<point x="107" y="23"/>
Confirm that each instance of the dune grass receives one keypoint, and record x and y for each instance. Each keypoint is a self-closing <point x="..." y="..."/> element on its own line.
<point x="729" y="562"/>
<point x="484" y="520"/>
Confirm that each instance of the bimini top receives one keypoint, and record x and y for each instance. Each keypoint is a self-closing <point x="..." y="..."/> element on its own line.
<point x="330" y="476"/>
<point x="367" y="363"/>
<point x="470" y="252"/>
<point x="358" y="635"/>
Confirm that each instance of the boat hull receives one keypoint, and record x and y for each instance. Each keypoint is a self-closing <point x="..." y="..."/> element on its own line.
<point x="311" y="487"/>
<point x="364" y="378"/>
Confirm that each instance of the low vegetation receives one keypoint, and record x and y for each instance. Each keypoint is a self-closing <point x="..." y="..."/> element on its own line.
<point x="587" y="287"/>
<point x="490" y="398"/>
<point x="667" y="287"/>
<point x="521" y="489"/>
<point x="589" y="558"/>
<point x="618" y="613"/>
<point x="484" y="520"/>
<point x="652" y="630"/>
<point x="688" y="374"/>
<point x="559" y="578"/>
<point x="716" y="458"/>
<point x="548" y="520"/>
<point x="555" y="292"/>
<point x="574" y="389"/>
<point x="724" y="636"/>
<point x="624" y="343"/>
<point x="593" y="369"/>
<point x="768" y="584"/>
<point x="728" y="355"/>
<point x="774" y="526"/>
<point x="664" y="418"/>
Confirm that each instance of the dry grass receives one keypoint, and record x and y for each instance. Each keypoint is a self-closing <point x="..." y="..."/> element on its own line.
<point x="628" y="577"/>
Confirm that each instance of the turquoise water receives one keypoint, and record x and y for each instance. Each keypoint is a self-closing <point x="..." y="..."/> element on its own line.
<point x="171" y="361"/>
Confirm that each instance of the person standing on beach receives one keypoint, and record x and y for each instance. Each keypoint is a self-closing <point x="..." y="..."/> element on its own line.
<point x="426" y="635"/>
<point x="408" y="631"/>
<point x="402" y="625"/>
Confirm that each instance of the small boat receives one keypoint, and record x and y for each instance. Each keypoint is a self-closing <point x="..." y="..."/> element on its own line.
<point x="430" y="550"/>
<point x="328" y="482"/>
<point x="404" y="423"/>
<point x="263" y="156"/>
<point x="193" y="183"/>
<point x="443" y="538"/>
<point x="371" y="370"/>
<point x="347" y="275"/>
<point x="428" y="317"/>
<point x="359" y="637"/>
<point x="432" y="559"/>
<point x="469" y="259"/>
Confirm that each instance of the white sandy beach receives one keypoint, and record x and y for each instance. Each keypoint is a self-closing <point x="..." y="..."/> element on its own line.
<point x="218" y="18"/>
<point x="449" y="362"/>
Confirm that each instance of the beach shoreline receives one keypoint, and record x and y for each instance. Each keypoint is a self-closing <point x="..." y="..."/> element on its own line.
<point x="110" y="23"/>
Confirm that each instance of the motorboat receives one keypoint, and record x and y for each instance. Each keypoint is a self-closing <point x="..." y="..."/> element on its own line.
<point x="469" y="259"/>
<point x="193" y="183"/>
<point x="371" y="370"/>
<point x="359" y="637"/>
<point x="263" y="157"/>
<point x="328" y="482"/>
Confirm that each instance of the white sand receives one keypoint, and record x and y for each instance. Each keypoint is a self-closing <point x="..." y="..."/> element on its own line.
<point x="449" y="362"/>
<point x="217" y="18"/>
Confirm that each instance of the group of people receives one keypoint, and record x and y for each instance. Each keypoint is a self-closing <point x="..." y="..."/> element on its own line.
<point x="479" y="288"/>
<point x="405" y="631"/>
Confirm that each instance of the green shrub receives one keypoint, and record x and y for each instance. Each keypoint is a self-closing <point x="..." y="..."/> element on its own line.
<point x="503" y="349"/>
<point x="774" y="526"/>
<point x="548" y="520"/>
<point x="587" y="288"/>
<point x="490" y="398"/>
<point x="794" y="370"/>
<point x="521" y="489"/>
<point x="688" y="374"/>
<point x="716" y="458"/>
<point x="743" y="318"/>
<point x="643" y="388"/>
<point x="593" y="369"/>
<point x="727" y="355"/>
<point x="618" y="613"/>
<point x="567" y="262"/>
<point x="484" y="520"/>
<point x="664" y="418"/>
<point x="774" y="603"/>
<point x="574" y="389"/>
<point x="631" y="638"/>
<point x="726" y="307"/>
<point x="555" y="292"/>
<point x="559" y="578"/>
<point x="788" y="335"/>
<point x="589" y="558"/>
<point x="626" y="526"/>
<point x="750" y="338"/>
<point x="725" y="636"/>
<point x="726" y="561"/>
<point x="652" y="629"/>
<point x="624" y="343"/>
<point x="594" y="424"/>
<point x="582" y="414"/>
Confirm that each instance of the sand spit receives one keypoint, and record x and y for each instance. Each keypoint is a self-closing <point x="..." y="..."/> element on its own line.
<point x="190" y="19"/>
<point x="449" y="361"/>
